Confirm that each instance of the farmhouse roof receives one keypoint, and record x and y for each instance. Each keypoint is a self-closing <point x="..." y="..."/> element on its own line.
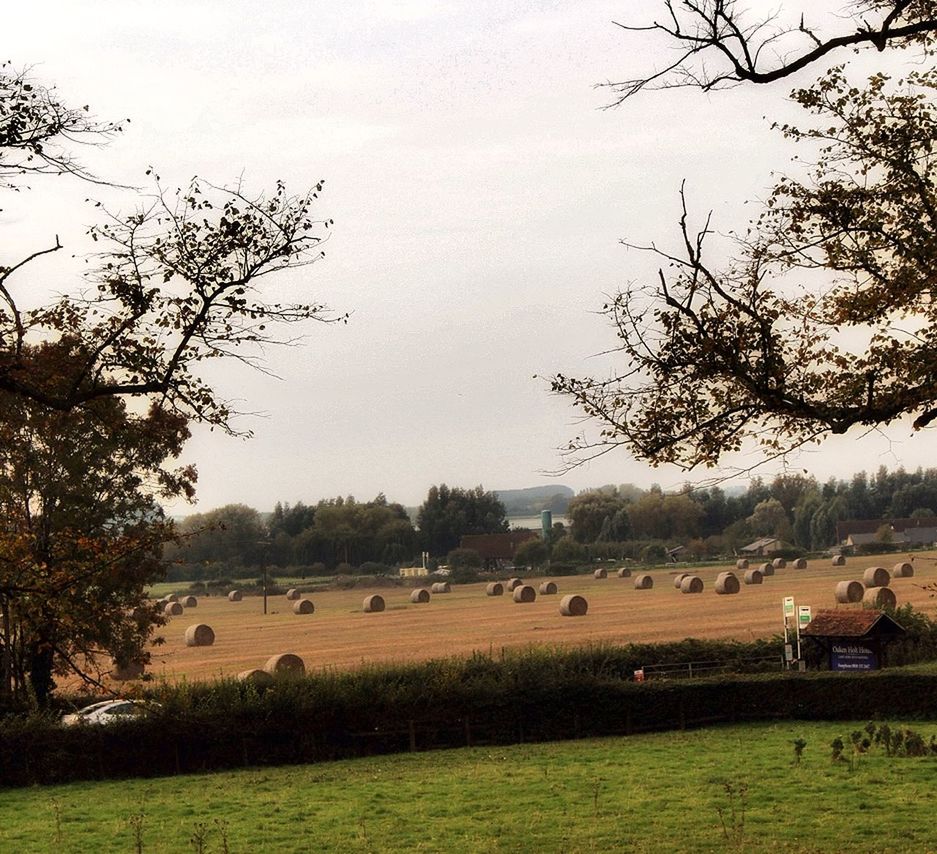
<point x="496" y="546"/>
<point x="841" y="623"/>
<point x="760" y="544"/>
<point x="871" y="526"/>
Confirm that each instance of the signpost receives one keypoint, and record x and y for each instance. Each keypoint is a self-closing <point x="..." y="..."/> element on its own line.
<point x="803" y="618"/>
<point x="788" y="616"/>
<point x="795" y="618"/>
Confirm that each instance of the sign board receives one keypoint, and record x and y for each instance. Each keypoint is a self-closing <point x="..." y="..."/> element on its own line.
<point x="803" y="616"/>
<point x="788" y="606"/>
<point x="639" y="675"/>
<point x="852" y="656"/>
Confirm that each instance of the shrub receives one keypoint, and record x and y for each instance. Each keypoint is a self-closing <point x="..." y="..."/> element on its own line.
<point x="373" y="568"/>
<point x="567" y="550"/>
<point x="531" y="553"/>
<point x="464" y="559"/>
<point x="654" y="553"/>
<point x="464" y="575"/>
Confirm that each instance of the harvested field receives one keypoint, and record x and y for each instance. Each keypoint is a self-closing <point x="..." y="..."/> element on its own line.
<point x="467" y="619"/>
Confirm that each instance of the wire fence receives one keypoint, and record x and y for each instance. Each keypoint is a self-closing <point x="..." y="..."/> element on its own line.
<point x="691" y="669"/>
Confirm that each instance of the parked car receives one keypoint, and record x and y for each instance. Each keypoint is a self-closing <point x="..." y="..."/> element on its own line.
<point x="108" y="711"/>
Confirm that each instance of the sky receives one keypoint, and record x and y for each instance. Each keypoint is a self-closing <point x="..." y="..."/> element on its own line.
<point x="480" y="192"/>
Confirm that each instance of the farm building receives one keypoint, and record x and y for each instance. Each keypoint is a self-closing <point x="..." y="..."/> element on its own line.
<point x="497" y="549"/>
<point x="764" y="546"/>
<point x="853" y="640"/>
<point x="918" y="531"/>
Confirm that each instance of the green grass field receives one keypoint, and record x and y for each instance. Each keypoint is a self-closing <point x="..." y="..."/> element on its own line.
<point x="652" y="793"/>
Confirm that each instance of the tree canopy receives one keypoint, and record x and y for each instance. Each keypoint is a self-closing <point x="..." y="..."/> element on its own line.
<point x="824" y="318"/>
<point x="98" y="386"/>
<point x="449" y="513"/>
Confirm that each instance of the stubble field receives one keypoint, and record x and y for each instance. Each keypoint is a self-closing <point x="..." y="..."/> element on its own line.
<point x="339" y="634"/>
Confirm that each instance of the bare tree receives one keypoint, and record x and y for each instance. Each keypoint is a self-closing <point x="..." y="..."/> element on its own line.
<point x="824" y="320"/>
<point x="717" y="44"/>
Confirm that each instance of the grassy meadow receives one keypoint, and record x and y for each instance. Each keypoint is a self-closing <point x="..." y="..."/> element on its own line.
<point x="733" y="788"/>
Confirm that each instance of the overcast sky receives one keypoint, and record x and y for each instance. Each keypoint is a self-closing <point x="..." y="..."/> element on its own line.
<point x="479" y="193"/>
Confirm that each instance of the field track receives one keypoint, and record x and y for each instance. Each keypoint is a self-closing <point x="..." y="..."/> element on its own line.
<point x="340" y="634"/>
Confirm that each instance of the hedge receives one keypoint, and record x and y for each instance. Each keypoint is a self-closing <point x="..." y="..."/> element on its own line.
<point x="447" y="703"/>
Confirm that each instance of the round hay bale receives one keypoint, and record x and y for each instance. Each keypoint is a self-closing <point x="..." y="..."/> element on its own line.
<point x="876" y="576"/>
<point x="189" y="602"/>
<point x="691" y="584"/>
<point x="285" y="664"/>
<point x="303" y="606"/>
<point x="643" y="582"/>
<point x="131" y="670"/>
<point x="525" y="593"/>
<point x="419" y="596"/>
<point x="573" y="606"/>
<point x="727" y="583"/>
<point x="170" y="597"/>
<point x="259" y="677"/>
<point x="849" y="591"/>
<point x="199" y="635"/>
<point x="678" y="579"/>
<point x="766" y="569"/>
<point x="624" y="572"/>
<point x="779" y="563"/>
<point x="600" y="573"/>
<point x="741" y="563"/>
<point x="512" y="583"/>
<point x="234" y="596"/>
<point x="879" y="597"/>
<point x="902" y="570"/>
<point x="494" y="588"/>
<point x="374" y="603"/>
<point x="800" y="563"/>
<point x="441" y="587"/>
<point x="753" y="576"/>
<point x="548" y="588"/>
<point x="839" y="560"/>
<point x="172" y="609"/>
<point x="293" y="594"/>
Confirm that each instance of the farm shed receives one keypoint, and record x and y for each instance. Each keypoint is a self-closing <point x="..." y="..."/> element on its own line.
<point x="852" y="640"/>
<point x="764" y="546"/>
<point x="497" y="549"/>
<point x="917" y="530"/>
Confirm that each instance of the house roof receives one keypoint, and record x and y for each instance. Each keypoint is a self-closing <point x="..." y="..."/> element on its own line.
<point x="871" y="526"/>
<point x="760" y="544"/>
<point x="496" y="546"/>
<point x="842" y="623"/>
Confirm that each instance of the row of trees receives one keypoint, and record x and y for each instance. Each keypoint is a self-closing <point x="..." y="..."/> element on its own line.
<point x="332" y="532"/>
<point x="794" y="507"/>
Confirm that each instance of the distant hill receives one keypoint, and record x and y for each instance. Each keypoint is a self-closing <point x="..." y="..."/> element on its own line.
<point x="535" y="499"/>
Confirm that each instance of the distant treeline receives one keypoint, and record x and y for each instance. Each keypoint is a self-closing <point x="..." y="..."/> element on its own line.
<point x="334" y="535"/>
<point x="342" y="534"/>
<point x="795" y="508"/>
